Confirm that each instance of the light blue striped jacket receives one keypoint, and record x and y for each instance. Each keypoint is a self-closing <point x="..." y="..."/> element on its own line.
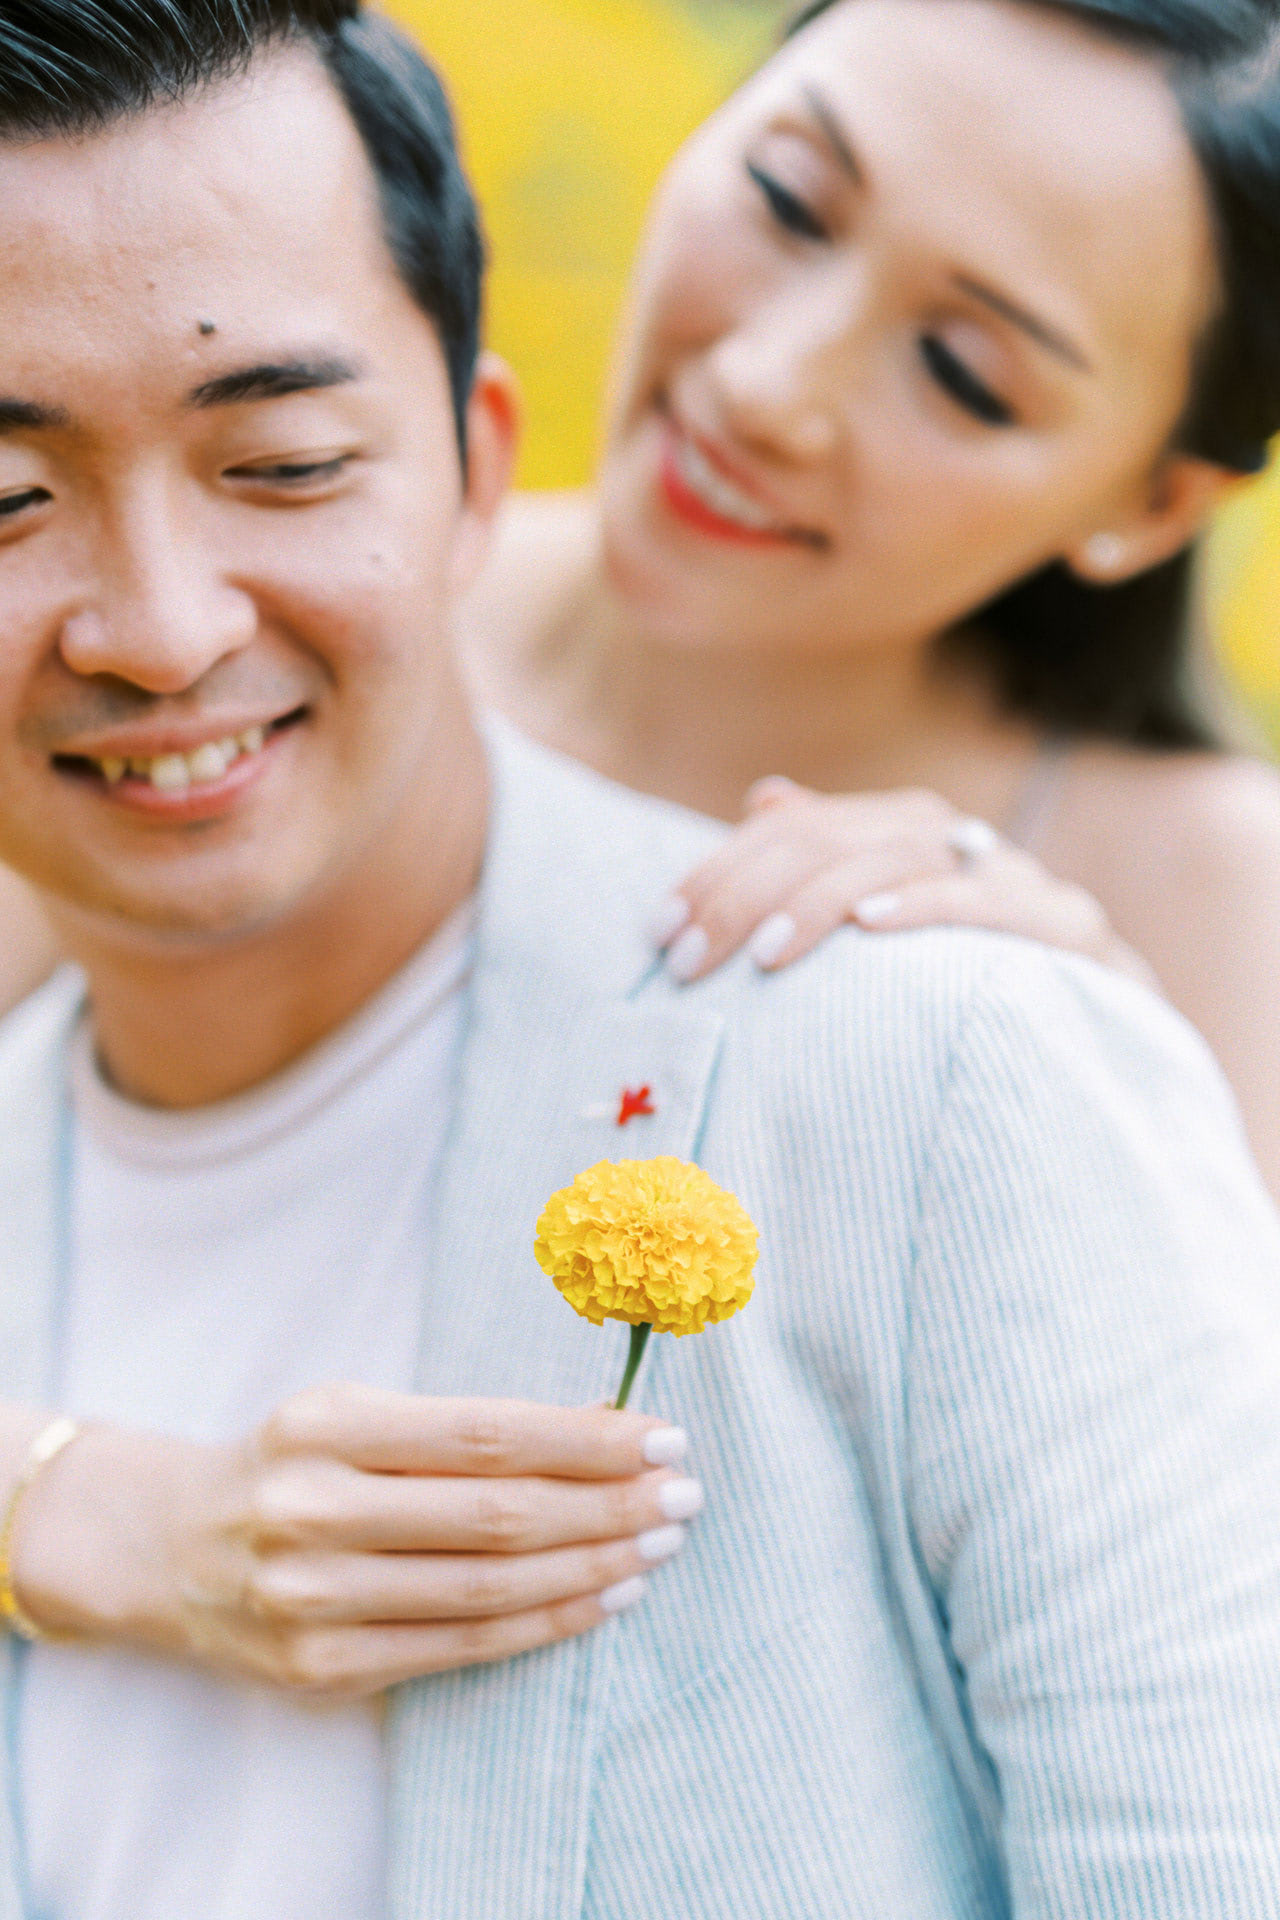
<point x="983" y="1616"/>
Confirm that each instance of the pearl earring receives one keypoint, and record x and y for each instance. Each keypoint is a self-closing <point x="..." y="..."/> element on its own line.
<point x="1104" y="552"/>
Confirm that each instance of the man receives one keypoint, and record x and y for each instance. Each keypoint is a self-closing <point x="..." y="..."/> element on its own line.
<point x="984" y="1615"/>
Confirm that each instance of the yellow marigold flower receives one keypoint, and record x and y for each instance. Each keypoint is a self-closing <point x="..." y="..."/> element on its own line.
<point x="654" y="1242"/>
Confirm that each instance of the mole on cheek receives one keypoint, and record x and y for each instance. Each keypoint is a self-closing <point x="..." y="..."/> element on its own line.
<point x="207" y="326"/>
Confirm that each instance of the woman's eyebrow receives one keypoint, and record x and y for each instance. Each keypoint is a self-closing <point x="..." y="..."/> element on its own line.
<point x="836" y="137"/>
<point x="1051" y="338"/>
<point x="1031" y="324"/>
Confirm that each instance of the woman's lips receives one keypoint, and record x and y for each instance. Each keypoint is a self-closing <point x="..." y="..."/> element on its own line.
<point x="702" y="496"/>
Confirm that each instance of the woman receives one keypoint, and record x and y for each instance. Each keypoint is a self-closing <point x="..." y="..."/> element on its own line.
<point x="900" y="490"/>
<point x="893" y="353"/>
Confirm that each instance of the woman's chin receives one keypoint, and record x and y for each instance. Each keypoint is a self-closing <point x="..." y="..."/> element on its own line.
<point x="660" y="599"/>
<point x="668" y="596"/>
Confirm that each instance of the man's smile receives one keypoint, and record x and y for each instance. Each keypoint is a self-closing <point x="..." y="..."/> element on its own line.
<point x="177" y="772"/>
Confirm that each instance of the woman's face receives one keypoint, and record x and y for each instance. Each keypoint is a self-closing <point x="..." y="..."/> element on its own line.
<point x="916" y="315"/>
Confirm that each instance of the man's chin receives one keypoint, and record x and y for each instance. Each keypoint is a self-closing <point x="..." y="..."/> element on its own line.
<point x="175" y="924"/>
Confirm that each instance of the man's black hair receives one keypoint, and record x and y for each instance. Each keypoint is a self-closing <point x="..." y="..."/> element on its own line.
<point x="73" y="67"/>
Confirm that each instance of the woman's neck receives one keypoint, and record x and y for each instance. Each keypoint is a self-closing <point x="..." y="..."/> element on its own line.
<point x="697" y="726"/>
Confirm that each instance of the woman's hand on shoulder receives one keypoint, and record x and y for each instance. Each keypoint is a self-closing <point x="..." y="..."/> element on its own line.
<point x="804" y="863"/>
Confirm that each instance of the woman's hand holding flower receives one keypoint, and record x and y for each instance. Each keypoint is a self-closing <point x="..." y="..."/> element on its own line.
<point x="357" y="1539"/>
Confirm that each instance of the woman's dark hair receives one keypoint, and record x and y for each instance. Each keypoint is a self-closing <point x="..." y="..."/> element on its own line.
<point x="74" y="66"/>
<point x="1114" y="660"/>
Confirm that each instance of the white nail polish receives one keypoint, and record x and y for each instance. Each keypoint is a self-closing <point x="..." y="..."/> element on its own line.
<point x="625" y="1594"/>
<point x="771" y="939"/>
<point x="671" y="916"/>
<point x="688" y="954"/>
<point x="680" y="1499"/>
<point x="877" y="907"/>
<point x="665" y="1446"/>
<point x="659" y="1543"/>
<point x="972" y="840"/>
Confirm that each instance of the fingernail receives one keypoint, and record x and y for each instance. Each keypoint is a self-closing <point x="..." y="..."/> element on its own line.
<point x="688" y="954"/>
<point x="659" y="1543"/>
<point x="625" y="1594"/>
<point x="771" y="939"/>
<point x="973" y="840"/>
<point x="877" y="907"/>
<point x="665" y="1446"/>
<point x="769" y="791"/>
<point x="680" y="1499"/>
<point x="668" y="920"/>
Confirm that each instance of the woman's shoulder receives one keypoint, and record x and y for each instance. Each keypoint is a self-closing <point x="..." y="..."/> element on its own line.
<point x="1207" y="817"/>
<point x="543" y="548"/>
<point x="1183" y="851"/>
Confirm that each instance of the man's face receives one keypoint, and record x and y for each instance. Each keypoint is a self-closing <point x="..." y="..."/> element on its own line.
<point x="232" y="518"/>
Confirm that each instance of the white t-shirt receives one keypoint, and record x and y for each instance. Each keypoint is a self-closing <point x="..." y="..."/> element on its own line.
<point x="223" y="1259"/>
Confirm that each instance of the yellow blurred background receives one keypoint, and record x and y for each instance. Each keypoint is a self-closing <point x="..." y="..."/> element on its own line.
<point x="569" y="111"/>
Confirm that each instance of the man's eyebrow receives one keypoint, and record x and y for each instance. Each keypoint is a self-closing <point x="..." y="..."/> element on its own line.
<point x="836" y="137"/>
<point x="29" y="416"/>
<point x="271" y="380"/>
<point x="1027" y="322"/>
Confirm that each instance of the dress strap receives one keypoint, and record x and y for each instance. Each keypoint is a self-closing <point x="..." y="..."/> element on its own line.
<point x="1036" y="806"/>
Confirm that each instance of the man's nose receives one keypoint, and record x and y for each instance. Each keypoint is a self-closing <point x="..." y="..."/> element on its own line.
<point x="162" y="611"/>
<point x="783" y="372"/>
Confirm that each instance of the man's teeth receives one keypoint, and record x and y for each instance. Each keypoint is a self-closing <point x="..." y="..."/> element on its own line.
<point x="173" y="772"/>
<point x="720" y="494"/>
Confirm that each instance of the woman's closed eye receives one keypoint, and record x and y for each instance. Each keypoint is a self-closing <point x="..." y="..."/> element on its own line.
<point x="956" y="378"/>
<point x="962" y="384"/>
<point x="786" y="207"/>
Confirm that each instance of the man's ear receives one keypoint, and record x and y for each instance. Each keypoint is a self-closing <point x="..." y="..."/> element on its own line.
<point x="1183" y="493"/>
<point x="493" y="436"/>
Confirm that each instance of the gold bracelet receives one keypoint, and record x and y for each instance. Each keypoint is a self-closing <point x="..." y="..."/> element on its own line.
<point x="46" y="1446"/>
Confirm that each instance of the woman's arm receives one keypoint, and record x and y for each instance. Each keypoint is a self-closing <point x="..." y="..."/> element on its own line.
<point x="28" y="953"/>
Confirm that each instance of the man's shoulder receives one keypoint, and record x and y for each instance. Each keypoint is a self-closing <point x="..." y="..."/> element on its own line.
<point x="902" y="1014"/>
<point x="589" y="805"/>
<point x="576" y="867"/>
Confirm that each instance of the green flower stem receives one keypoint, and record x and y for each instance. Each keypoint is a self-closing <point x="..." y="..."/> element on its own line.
<point x="639" y="1341"/>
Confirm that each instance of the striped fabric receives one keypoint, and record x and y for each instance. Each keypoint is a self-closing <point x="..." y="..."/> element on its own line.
<point x="983" y="1616"/>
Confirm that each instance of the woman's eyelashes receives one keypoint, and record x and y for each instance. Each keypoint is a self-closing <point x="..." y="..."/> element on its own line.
<point x="951" y="373"/>
<point x="786" y="207"/>
<point x="963" y="385"/>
